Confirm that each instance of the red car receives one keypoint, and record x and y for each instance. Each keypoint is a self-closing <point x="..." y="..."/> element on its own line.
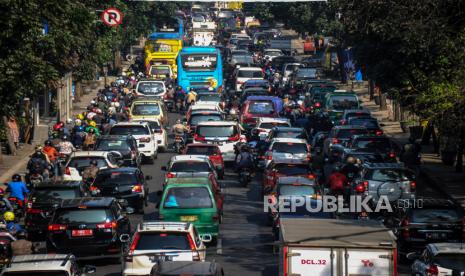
<point x="280" y="169"/>
<point x="210" y="150"/>
<point x="253" y="109"/>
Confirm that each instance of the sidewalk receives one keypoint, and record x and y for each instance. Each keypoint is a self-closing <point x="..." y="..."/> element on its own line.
<point x="441" y="176"/>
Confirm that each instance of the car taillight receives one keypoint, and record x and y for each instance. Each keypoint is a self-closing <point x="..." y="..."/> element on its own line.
<point x="144" y="139"/>
<point x="33" y="211"/>
<point x="334" y="141"/>
<point x="365" y="184"/>
<point x="57" y="227"/>
<point x="405" y="229"/>
<point x="67" y="171"/>
<point x="379" y="132"/>
<point x="108" y="225"/>
<point x="317" y="104"/>
<point x="159" y="131"/>
<point x="198" y="137"/>
<point x="169" y="175"/>
<point x="413" y="186"/>
<point x="432" y="270"/>
<point x="132" y="247"/>
<point x="392" y="155"/>
<point x="215" y="218"/>
<point x="269" y="155"/>
<point x="343" y="122"/>
<point x="360" y="188"/>
<point x="234" y="138"/>
<point x="311" y="176"/>
<point x="137" y="188"/>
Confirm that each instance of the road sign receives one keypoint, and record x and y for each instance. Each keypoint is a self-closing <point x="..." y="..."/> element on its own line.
<point x="112" y="17"/>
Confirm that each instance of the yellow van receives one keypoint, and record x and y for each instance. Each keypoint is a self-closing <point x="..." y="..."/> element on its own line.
<point x="149" y="109"/>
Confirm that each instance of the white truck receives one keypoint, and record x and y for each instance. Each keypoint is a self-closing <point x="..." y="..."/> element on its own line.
<point x="203" y="33"/>
<point x="333" y="247"/>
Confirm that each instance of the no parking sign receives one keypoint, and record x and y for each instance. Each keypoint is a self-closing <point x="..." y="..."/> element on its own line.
<point x="112" y="17"/>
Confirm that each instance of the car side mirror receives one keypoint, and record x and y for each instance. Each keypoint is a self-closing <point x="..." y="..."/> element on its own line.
<point x="206" y="238"/>
<point x="124" y="238"/>
<point x="413" y="255"/>
<point x="163" y="168"/>
<point x="89" y="269"/>
<point x="148" y="177"/>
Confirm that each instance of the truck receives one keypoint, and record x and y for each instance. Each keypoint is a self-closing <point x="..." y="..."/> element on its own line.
<point x="203" y="33"/>
<point x="288" y="44"/>
<point x="336" y="247"/>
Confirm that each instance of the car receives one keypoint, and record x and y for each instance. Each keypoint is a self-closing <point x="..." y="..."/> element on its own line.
<point x="339" y="100"/>
<point x="225" y="134"/>
<point x="202" y="108"/>
<point x="243" y="74"/>
<point x="123" y="183"/>
<point x="392" y="180"/>
<point x="255" y="91"/>
<point x="89" y="227"/>
<point x="278" y="62"/>
<point x="46" y="265"/>
<point x="439" y="259"/>
<point x="155" y="241"/>
<point x="44" y="199"/>
<point x="78" y="161"/>
<point x="149" y="108"/>
<point x="270" y="54"/>
<point x="188" y="164"/>
<point x="370" y="123"/>
<point x="340" y="135"/>
<point x="150" y="88"/>
<point x="318" y="140"/>
<point x="287" y="132"/>
<point x="277" y="169"/>
<point x="318" y="92"/>
<point x="305" y="73"/>
<point x="351" y="113"/>
<point x="288" y="149"/>
<point x="210" y="268"/>
<point x="193" y="203"/>
<point x="211" y="97"/>
<point x="254" y="83"/>
<point x="199" y="116"/>
<point x="159" y="131"/>
<point x="264" y="126"/>
<point x="144" y="135"/>
<point x="294" y="186"/>
<point x="258" y="107"/>
<point x="288" y="69"/>
<point x="373" y="144"/>
<point x="212" y="151"/>
<point x="429" y="221"/>
<point x="124" y="144"/>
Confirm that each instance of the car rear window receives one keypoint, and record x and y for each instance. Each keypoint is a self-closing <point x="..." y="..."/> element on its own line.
<point x="202" y="150"/>
<point x="47" y="195"/>
<point x="454" y="261"/>
<point x="422" y="215"/>
<point x="292" y="169"/>
<point x="190" y="166"/>
<point x="146" y="109"/>
<point x="273" y="124"/>
<point x="83" y="162"/>
<point x="261" y="107"/>
<point x="129" y="130"/>
<point x="296" y="190"/>
<point x="209" y="97"/>
<point x="216" y="131"/>
<point x="372" y="144"/>
<point x="249" y="74"/>
<point x="391" y="175"/>
<point x="347" y="133"/>
<point x="109" y="145"/>
<point x="289" y="147"/>
<point x="289" y="134"/>
<point x="369" y="123"/>
<point x="188" y="197"/>
<point x="150" y="88"/>
<point x="112" y="178"/>
<point x="198" y="118"/>
<point x="343" y="102"/>
<point x="163" y="241"/>
<point x="160" y="71"/>
<point x="66" y="216"/>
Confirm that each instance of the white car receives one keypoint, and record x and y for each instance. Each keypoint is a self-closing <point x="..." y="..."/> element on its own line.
<point x="151" y="88"/>
<point x="205" y="107"/>
<point x="288" y="69"/>
<point x="168" y="241"/>
<point x="46" y="264"/>
<point x="243" y="74"/>
<point x="141" y="131"/>
<point x="159" y="132"/>
<point x="287" y="149"/>
<point x="270" y="54"/>
<point x="264" y="125"/>
<point x="78" y="161"/>
<point x="225" y="134"/>
<point x="445" y="259"/>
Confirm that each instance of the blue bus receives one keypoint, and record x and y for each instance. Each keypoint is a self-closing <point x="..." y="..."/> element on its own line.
<point x="200" y="67"/>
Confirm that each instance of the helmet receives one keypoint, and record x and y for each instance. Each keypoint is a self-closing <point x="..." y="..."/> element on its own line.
<point x="48" y="143"/>
<point x="94" y="162"/>
<point x="112" y="104"/>
<point x="351" y="160"/>
<point x="117" y="104"/>
<point x="65" y="137"/>
<point x="38" y="148"/>
<point x="232" y="112"/>
<point x="16" y="177"/>
<point x="58" y="126"/>
<point x="98" y="111"/>
<point x="78" y="122"/>
<point x="80" y="117"/>
<point x="178" y="121"/>
<point x="92" y="124"/>
<point x="170" y="86"/>
<point x="286" y="96"/>
<point x="92" y="102"/>
<point x="9" y="216"/>
<point x="2" y="192"/>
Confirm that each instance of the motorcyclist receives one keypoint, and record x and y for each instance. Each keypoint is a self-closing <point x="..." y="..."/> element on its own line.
<point x="337" y="182"/>
<point x="191" y="98"/>
<point x="90" y="172"/>
<point x="350" y="169"/>
<point x="17" y="188"/>
<point x="179" y="129"/>
<point x="5" y="204"/>
<point x="11" y="225"/>
<point x="50" y="151"/>
<point x="244" y="158"/>
<point x="39" y="163"/>
<point x="66" y="147"/>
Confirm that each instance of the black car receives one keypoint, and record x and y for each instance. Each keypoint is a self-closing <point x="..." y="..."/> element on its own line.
<point x="89" y="227"/>
<point x="370" y="123"/>
<point x="44" y="199"/>
<point x="124" y="144"/>
<point x="381" y="145"/>
<point x="123" y="183"/>
<point x="429" y="221"/>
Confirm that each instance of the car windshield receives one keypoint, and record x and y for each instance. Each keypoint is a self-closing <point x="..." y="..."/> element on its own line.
<point x="45" y="195"/>
<point x="342" y="102"/>
<point x="216" y="131"/>
<point x="372" y="144"/>
<point x="368" y="123"/>
<point x="190" y="166"/>
<point x="347" y="133"/>
<point x="209" y="97"/>
<point x="187" y="198"/>
<point x="129" y="130"/>
<point x="37" y="273"/>
<point x="273" y="124"/>
<point x="293" y="148"/>
<point x="261" y="107"/>
<point x="112" y="178"/>
<point x="109" y="145"/>
<point x="150" y="88"/>
<point x="428" y="215"/>
<point x="82" y="216"/>
<point x="163" y="241"/>
<point x="289" y="134"/>
<point x="391" y="175"/>
<point x="250" y="74"/>
<point x="145" y="109"/>
<point x="83" y="162"/>
<point x="198" y="118"/>
<point x="289" y="169"/>
<point x="455" y="261"/>
<point x="296" y="190"/>
<point x="202" y="150"/>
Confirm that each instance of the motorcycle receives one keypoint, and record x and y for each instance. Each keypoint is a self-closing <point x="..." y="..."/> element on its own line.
<point x="35" y="179"/>
<point x="6" y="252"/>
<point x="18" y="206"/>
<point x="245" y="176"/>
<point x="178" y="143"/>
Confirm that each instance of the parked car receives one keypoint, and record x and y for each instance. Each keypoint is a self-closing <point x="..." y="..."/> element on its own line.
<point x="439" y="259"/>
<point x="124" y="144"/>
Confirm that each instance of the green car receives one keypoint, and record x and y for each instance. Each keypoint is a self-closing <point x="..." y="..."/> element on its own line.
<point x="195" y="203"/>
<point x="338" y="101"/>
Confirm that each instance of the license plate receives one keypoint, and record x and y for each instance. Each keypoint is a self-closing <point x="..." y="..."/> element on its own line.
<point x="82" y="233"/>
<point x="155" y="259"/>
<point x="189" y="218"/>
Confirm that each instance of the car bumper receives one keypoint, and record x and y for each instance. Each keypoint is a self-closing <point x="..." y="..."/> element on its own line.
<point x="134" y="200"/>
<point x="228" y="156"/>
<point x="148" y="153"/>
<point x="212" y="229"/>
<point x="91" y="251"/>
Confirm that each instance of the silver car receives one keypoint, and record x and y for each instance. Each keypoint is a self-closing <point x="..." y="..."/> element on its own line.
<point x="287" y="149"/>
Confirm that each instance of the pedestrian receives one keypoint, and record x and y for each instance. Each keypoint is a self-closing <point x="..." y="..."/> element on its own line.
<point x="13" y="130"/>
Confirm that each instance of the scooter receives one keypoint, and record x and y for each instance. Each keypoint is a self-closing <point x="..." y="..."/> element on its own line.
<point x="244" y="177"/>
<point x="178" y="143"/>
